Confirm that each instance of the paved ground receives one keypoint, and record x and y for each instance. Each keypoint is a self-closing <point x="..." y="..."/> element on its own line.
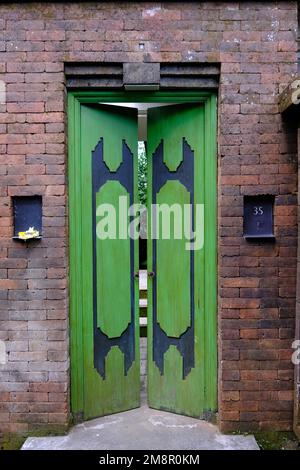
<point x="145" y="429"/>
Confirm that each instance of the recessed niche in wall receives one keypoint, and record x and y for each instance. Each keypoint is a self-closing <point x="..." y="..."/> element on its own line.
<point x="258" y="216"/>
<point x="27" y="215"/>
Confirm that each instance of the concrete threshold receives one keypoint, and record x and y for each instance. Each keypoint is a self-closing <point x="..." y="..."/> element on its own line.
<point x="143" y="429"/>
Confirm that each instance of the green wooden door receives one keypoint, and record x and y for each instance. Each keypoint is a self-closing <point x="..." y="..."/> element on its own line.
<point x="181" y="290"/>
<point x="104" y="300"/>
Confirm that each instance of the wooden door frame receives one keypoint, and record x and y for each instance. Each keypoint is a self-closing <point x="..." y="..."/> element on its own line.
<point x="209" y="101"/>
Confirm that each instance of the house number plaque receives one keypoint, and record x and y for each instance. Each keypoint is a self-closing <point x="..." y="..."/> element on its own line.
<point x="258" y="216"/>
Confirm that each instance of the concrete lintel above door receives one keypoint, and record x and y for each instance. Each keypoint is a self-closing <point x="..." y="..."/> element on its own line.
<point x="141" y="75"/>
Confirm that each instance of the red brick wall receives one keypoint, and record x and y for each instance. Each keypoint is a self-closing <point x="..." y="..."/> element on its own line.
<point x="256" y="46"/>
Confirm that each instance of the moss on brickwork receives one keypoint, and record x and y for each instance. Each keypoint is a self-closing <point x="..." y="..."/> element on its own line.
<point x="277" y="440"/>
<point x="14" y="441"/>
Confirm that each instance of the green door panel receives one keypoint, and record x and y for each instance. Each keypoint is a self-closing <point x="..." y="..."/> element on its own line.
<point x="114" y="131"/>
<point x="104" y="297"/>
<point x="171" y="127"/>
<point x="114" y="303"/>
<point x="173" y="261"/>
<point x="181" y="294"/>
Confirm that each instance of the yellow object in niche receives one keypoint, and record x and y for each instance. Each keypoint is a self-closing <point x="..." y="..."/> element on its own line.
<point x="28" y="234"/>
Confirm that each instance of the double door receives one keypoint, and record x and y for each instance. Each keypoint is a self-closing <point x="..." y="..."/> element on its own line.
<point x="105" y="376"/>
